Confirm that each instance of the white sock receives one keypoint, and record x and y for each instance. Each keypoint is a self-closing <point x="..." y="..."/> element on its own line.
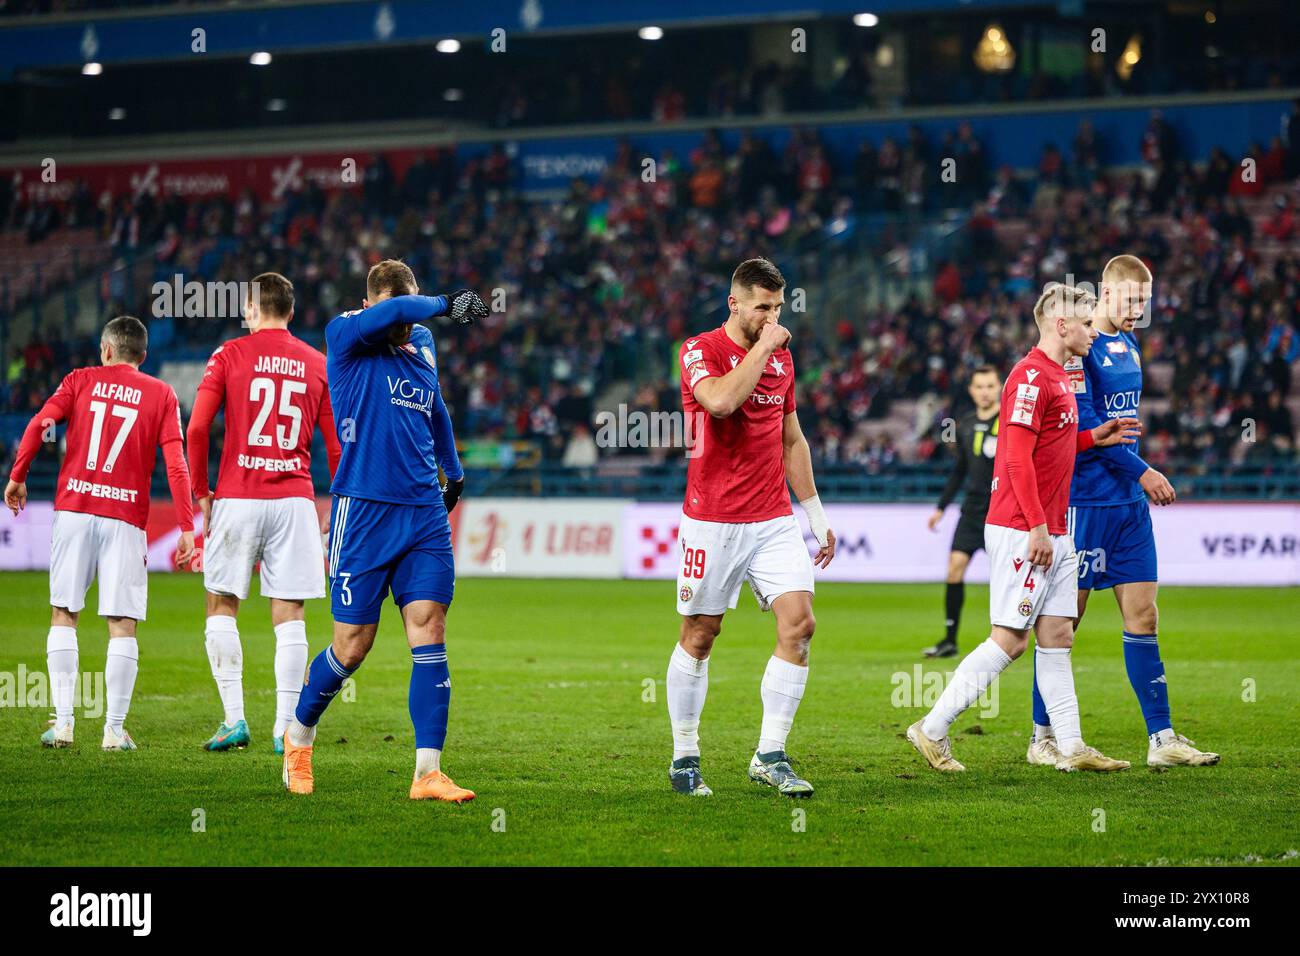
<point x="1056" y="684"/>
<point x="120" y="668"/>
<point x="61" y="661"/>
<point x="1162" y="737"/>
<point x="427" y="760"/>
<point x="299" y="734"/>
<point x="227" y="659"/>
<point x="1043" y="733"/>
<point x="290" y="668"/>
<point x="688" y="683"/>
<point x="974" y="674"/>
<point x="781" y="691"/>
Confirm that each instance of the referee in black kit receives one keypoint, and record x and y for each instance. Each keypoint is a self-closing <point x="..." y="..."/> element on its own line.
<point x="977" y="440"/>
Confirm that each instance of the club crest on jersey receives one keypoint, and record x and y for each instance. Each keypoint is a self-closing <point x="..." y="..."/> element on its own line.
<point x="428" y="356"/>
<point x="685" y="593"/>
<point x="1025" y="608"/>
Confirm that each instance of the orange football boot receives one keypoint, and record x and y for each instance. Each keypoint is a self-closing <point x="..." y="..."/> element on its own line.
<point x="297" y="767"/>
<point x="436" y="785"/>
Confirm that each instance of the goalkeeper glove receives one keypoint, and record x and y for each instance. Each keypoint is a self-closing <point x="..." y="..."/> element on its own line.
<point x="464" y="305"/>
<point x="451" y="492"/>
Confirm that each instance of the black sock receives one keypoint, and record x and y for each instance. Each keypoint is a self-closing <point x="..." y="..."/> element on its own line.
<point x="952" y="602"/>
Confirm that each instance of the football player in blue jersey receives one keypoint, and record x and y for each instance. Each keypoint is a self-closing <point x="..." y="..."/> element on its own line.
<point x="1110" y="519"/>
<point x="389" y="527"/>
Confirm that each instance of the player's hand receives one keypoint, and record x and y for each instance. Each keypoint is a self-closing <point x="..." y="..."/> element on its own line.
<point x="825" y="555"/>
<point x="451" y="492"/>
<point x="185" y="549"/>
<point x="16" y="496"/>
<point x="933" y="521"/>
<point x="1117" y="431"/>
<point x="464" y="305"/>
<point x="1157" y="487"/>
<point x="1040" y="547"/>
<point x="325" y="522"/>
<point x="205" y="505"/>
<point x="774" y="337"/>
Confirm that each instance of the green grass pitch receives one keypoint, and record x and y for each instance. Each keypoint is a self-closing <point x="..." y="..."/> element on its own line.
<point x="558" y="721"/>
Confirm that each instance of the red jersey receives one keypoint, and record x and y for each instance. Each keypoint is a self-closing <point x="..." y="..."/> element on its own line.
<point x="1037" y="398"/>
<point x="272" y="385"/>
<point x="117" y="417"/>
<point x="736" y="472"/>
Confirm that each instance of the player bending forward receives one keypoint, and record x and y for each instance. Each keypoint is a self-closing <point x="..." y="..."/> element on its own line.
<point x="1032" y="563"/>
<point x="389" y="529"/>
<point x="272" y="386"/>
<point x="117" y="417"/>
<point x="737" y="525"/>
<point x="1110" y="520"/>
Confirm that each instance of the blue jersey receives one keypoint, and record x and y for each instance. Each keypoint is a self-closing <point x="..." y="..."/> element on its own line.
<point x="1107" y="384"/>
<point x="392" y="423"/>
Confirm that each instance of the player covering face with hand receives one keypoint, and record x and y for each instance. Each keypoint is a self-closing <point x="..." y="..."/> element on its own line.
<point x="737" y="525"/>
<point x="1032" y="562"/>
<point x="390" y="528"/>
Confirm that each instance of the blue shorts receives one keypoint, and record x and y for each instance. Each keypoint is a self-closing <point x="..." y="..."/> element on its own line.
<point x="376" y="546"/>
<point x="1115" y="543"/>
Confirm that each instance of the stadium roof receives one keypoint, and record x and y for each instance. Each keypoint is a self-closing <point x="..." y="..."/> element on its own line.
<point x="134" y="36"/>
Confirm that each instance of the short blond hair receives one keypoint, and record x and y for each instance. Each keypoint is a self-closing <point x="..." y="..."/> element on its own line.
<point x="1059" y="299"/>
<point x="1126" y="268"/>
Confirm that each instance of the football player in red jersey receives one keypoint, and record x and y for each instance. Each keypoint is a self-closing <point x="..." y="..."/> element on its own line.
<point x="272" y="386"/>
<point x="117" y="418"/>
<point x="737" y="524"/>
<point x="1033" y="580"/>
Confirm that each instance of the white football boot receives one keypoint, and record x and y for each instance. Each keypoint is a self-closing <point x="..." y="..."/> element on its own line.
<point x="112" y="741"/>
<point x="1178" y="752"/>
<point x="1043" y="753"/>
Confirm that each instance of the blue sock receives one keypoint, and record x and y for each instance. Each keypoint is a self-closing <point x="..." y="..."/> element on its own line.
<point x="1040" y="709"/>
<point x="325" y="677"/>
<point x="430" y="696"/>
<point x="1146" y="672"/>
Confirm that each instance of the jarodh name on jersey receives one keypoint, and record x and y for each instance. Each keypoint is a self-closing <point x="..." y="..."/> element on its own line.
<point x="74" y="909"/>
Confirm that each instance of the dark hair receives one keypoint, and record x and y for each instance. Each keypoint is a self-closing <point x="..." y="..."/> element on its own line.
<point x="391" y="275"/>
<point x="761" y="272"/>
<point x="274" y="294"/>
<point x="987" y="370"/>
<point x="128" y="337"/>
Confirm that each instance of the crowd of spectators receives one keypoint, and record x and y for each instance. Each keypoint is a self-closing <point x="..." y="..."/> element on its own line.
<point x="593" y="292"/>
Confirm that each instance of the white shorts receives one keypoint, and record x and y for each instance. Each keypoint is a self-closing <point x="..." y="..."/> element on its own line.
<point x="86" y="546"/>
<point x="717" y="557"/>
<point x="282" y="533"/>
<point x="1019" y="593"/>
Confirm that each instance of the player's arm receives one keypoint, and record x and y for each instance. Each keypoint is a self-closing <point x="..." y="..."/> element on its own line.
<point x="956" y="478"/>
<point x="720" y="395"/>
<point x="369" y="326"/>
<point x="329" y="432"/>
<point x="799" y="473"/>
<point x="1022" y="410"/>
<point x="54" y="411"/>
<point x="1021" y="441"/>
<point x="444" y="449"/>
<point x="178" y="476"/>
<point x="206" y="405"/>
